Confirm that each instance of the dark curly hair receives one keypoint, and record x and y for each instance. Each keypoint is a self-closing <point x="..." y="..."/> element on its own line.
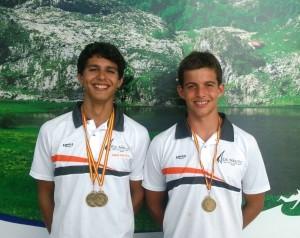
<point x="105" y="50"/>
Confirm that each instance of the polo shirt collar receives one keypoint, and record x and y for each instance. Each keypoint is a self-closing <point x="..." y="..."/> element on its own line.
<point x="119" y="117"/>
<point x="183" y="129"/>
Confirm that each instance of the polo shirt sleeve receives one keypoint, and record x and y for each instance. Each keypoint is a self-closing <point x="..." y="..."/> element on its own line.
<point x="142" y="141"/>
<point x="154" y="180"/>
<point x="255" y="180"/>
<point x="42" y="167"/>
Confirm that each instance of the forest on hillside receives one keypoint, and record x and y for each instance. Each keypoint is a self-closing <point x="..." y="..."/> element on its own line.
<point x="195" y="14"/>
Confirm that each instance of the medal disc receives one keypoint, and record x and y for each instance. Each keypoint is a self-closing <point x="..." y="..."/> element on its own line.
<point x="90" y="199"/>
<point x="209" y="204"/>
<point x="100" y="199"/>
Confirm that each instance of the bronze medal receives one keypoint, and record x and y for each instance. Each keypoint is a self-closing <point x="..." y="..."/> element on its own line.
<point x="100" y="199"/>
<point x="209" y="204"/>
<point x="90" y="199"/>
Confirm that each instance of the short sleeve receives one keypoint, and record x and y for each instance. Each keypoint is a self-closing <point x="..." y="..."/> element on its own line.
<point x="140" y="148"/>
<point x="255" y="179"/>
<point x="154" y="180"/>
<point x="42" y="167"/>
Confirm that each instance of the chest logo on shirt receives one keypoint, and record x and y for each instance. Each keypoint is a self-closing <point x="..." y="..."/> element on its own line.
<point x="180" y="156"/>
<point x="119" y="148"/>
<point x="68" y="145"/>
<point x="233" y="162"/>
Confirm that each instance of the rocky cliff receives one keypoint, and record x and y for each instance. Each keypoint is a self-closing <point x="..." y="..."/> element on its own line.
<point x="40" y="41"/>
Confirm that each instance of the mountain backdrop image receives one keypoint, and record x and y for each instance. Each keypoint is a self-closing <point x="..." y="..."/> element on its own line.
<point x="256" y="41"/>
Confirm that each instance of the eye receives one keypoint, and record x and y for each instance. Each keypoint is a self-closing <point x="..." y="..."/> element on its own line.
<point x="111" y="70"/>
<point x="93" y="69"/>
<point x="190" y="86"/>
<point x="210" y="85"/>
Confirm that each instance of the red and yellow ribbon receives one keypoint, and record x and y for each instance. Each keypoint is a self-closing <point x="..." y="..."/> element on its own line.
<point x="208" y="183"/>
<point x="93" y="166"/>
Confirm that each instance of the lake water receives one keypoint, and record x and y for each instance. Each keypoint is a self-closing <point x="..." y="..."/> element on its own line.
<point x="276" y="130"/>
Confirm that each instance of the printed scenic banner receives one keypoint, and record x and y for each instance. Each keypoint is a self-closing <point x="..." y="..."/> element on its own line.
<point x="256" y="41"/>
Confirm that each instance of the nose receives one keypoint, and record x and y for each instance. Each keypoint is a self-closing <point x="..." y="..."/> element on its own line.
<point x="200" y="91"/>
<point x="101" y="74"/>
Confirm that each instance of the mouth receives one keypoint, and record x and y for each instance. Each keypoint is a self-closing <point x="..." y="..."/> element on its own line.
<point x="201" y="102"/>
<point x="101" y="86"/>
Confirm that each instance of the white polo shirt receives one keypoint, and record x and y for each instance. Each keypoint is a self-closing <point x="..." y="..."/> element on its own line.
<point x="60" y="156"/>
<point x="172" y="164"/>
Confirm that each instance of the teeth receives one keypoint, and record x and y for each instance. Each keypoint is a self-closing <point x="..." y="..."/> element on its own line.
<point x="201" y="102"/>
<point x="101" y="86"/>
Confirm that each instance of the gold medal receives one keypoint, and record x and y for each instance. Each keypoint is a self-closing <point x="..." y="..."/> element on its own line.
<point x="90" y="199"/>
<point x="209" y="204"/>
<point x="100" y="199"/>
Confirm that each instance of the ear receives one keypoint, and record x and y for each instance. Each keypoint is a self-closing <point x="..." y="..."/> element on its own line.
<point x="80" y="78"/>
<point x="180" y="91"/>
<point x="221" y="90"/>
<point x="120" y="82"/>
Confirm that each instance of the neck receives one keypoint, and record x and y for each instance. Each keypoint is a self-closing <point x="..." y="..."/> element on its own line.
<point x="204" y="127"/>
<point x="100" y="113"/>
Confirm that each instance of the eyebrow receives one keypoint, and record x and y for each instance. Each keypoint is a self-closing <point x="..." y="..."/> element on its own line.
<point x="213" y="82"/>
<point x="189" y="83"/>
<point x="97" y="66"/>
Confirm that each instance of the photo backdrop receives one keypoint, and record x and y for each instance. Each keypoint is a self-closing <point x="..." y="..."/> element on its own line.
<point x="256" y="41"/>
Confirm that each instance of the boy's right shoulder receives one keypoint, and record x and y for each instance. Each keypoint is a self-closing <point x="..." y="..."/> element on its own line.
<point x="165" y="135"/>
<point x="56" y="121"/>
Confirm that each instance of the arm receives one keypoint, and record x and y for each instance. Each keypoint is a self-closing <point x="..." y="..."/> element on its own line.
<point x="155" y="205"/>
<point x="253" y="206"/>
<point x="137" y="194"/>
<point x="46" y="201"/>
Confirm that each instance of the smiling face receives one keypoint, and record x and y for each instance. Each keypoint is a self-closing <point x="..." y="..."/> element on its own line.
<point x="100" y="79"/>
<point x="201" y="92"/>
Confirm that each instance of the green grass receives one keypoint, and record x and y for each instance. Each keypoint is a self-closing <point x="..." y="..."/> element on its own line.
<point x="18" y="189"/>
<point x="11" y="106"/>
<point x="279" y="41"/>
<point x="143" y="221"/>
<point x="287" y="101"/>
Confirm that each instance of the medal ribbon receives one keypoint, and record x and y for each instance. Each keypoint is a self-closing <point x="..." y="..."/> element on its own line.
<point x="93" y="166"/>
<point x="208" y="183"/>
